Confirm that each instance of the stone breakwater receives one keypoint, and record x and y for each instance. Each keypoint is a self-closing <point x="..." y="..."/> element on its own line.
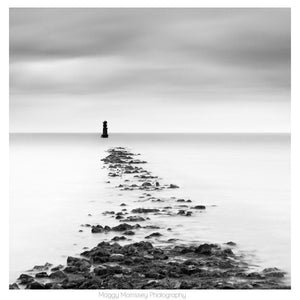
<point x="143" y="265"/>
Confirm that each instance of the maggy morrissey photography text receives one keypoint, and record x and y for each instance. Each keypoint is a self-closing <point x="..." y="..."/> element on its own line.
<point x="142" y="295"/>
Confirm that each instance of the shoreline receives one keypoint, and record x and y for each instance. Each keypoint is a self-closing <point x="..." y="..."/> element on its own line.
<point x="142" y="265"/>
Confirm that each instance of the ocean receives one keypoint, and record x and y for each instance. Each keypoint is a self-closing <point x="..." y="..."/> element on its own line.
<point x="57" y="183"/>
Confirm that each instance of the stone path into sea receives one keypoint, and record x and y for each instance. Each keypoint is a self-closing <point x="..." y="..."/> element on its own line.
<point x="142" y="264"/>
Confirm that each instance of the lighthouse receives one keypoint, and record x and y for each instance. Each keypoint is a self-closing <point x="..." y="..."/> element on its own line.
<point x="104" y="133"/>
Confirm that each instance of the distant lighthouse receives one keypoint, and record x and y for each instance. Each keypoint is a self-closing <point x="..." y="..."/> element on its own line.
<point x="104" y="133"/>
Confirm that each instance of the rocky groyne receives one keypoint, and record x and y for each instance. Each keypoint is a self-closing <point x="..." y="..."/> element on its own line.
<point x="123" y="264"/>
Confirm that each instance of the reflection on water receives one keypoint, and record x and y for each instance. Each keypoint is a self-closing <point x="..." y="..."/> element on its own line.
<point x="56" y="180"/>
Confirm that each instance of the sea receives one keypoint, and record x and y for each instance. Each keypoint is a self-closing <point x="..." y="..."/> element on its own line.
<point x="58" y="183"/>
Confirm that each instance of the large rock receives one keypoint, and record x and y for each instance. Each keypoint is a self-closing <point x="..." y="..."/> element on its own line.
<point x="34" y="285"/>
<point x="205" y="249"/>
<point x="58" y="275"/>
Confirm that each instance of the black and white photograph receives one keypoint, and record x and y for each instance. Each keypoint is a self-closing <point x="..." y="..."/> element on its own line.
<point x="149" y="148"/>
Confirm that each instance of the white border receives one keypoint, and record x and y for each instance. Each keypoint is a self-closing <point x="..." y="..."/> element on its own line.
<point x="4" y="170"/>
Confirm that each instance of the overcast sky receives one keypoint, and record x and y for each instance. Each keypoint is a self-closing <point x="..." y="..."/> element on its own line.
<point x="150" y="70"/>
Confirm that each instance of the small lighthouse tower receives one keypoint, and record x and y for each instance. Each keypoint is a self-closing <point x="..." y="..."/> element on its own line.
<point x="104" y="133"/>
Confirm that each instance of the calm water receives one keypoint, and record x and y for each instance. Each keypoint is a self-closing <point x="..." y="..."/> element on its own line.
<point x="56" y="180"/>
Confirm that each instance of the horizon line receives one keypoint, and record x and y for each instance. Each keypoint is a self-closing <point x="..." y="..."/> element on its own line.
<point x="140" y="132"/>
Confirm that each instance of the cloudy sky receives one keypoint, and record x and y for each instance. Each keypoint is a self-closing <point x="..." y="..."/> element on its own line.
<point x="150" y="70"/>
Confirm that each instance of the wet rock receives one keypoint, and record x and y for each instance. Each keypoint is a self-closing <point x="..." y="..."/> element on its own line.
<point x="129" y="232"/>
<point x="117" y="257"/>
<point x="205" y="249"/>
<point x="34" y="285"/>
<point x="154" y="234"/>
<point x="180" y="200"/>
<point x="57" y="268"/>
<point x="58" y="275"/>
<point x="41" y="275"/>
<point x="230" y="243"/>
<point x="173" y="186"/>
<point x="108" y="213"/>
<point x="199" y="207"/>
<point x="25" y="278"/>
<point x="151" y="227"/>
<point x="123" y="227"/>
<point x="44" y="267"/>
<point x="134" y="219"/>
<point x="119" y="238"/>
<point x="273" y="272"/>
<point x="144" y="210"/>
<point x="100" y="270"/>
<point x="97" y="229"/>
<point x="14" y="286"/>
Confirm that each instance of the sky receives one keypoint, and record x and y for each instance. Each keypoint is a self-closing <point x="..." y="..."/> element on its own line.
<point x="150" y="70"/>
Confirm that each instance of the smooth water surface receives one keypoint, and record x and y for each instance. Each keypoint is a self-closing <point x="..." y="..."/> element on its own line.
<point x="57" y="180"/>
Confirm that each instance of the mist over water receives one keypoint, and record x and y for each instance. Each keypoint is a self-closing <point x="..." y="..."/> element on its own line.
<point x="56" y="180"/>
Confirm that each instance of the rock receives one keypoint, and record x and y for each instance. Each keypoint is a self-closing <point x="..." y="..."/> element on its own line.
<point x="41" y="275"/>
<point x="100" y="270"/>
<point x="34" y="285"/>
<point x="97" y="229"/>
<point x="230" y="243"/>
<point x="144" y="210"/>
<point x="151" y="227"/>
<point x="44" y="267"/>
<point x="129" y="232"/>
<point x="57" y="268"/>
<point x="146" y="184"/>
<point x="108" y="213"/>
<point x="25" y="278"/>
<point x="180" y="200"/>
<point x="14" y="286"/>
<point x="119" y="238"/>
<point x="122" y="227"/>
<point x="154" y="234"/>
<point x="70" y="269"/>
<point x="273" y="272"/>
<point x="228" y="252"/>
<point x="181" y="212"/>
<point x="133" y="219"/>
<point x="204" y="249"/>
<point x="123" y="204"/>
<point x="199" y="207"/>
<point x="173" y="186"/>
<point x="58" y="275"/>
<point x="117" y="257"/>
<point x="188" y="213"/>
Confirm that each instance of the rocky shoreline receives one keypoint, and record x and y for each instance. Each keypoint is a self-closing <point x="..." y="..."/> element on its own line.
<point x="143" y="265"/>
